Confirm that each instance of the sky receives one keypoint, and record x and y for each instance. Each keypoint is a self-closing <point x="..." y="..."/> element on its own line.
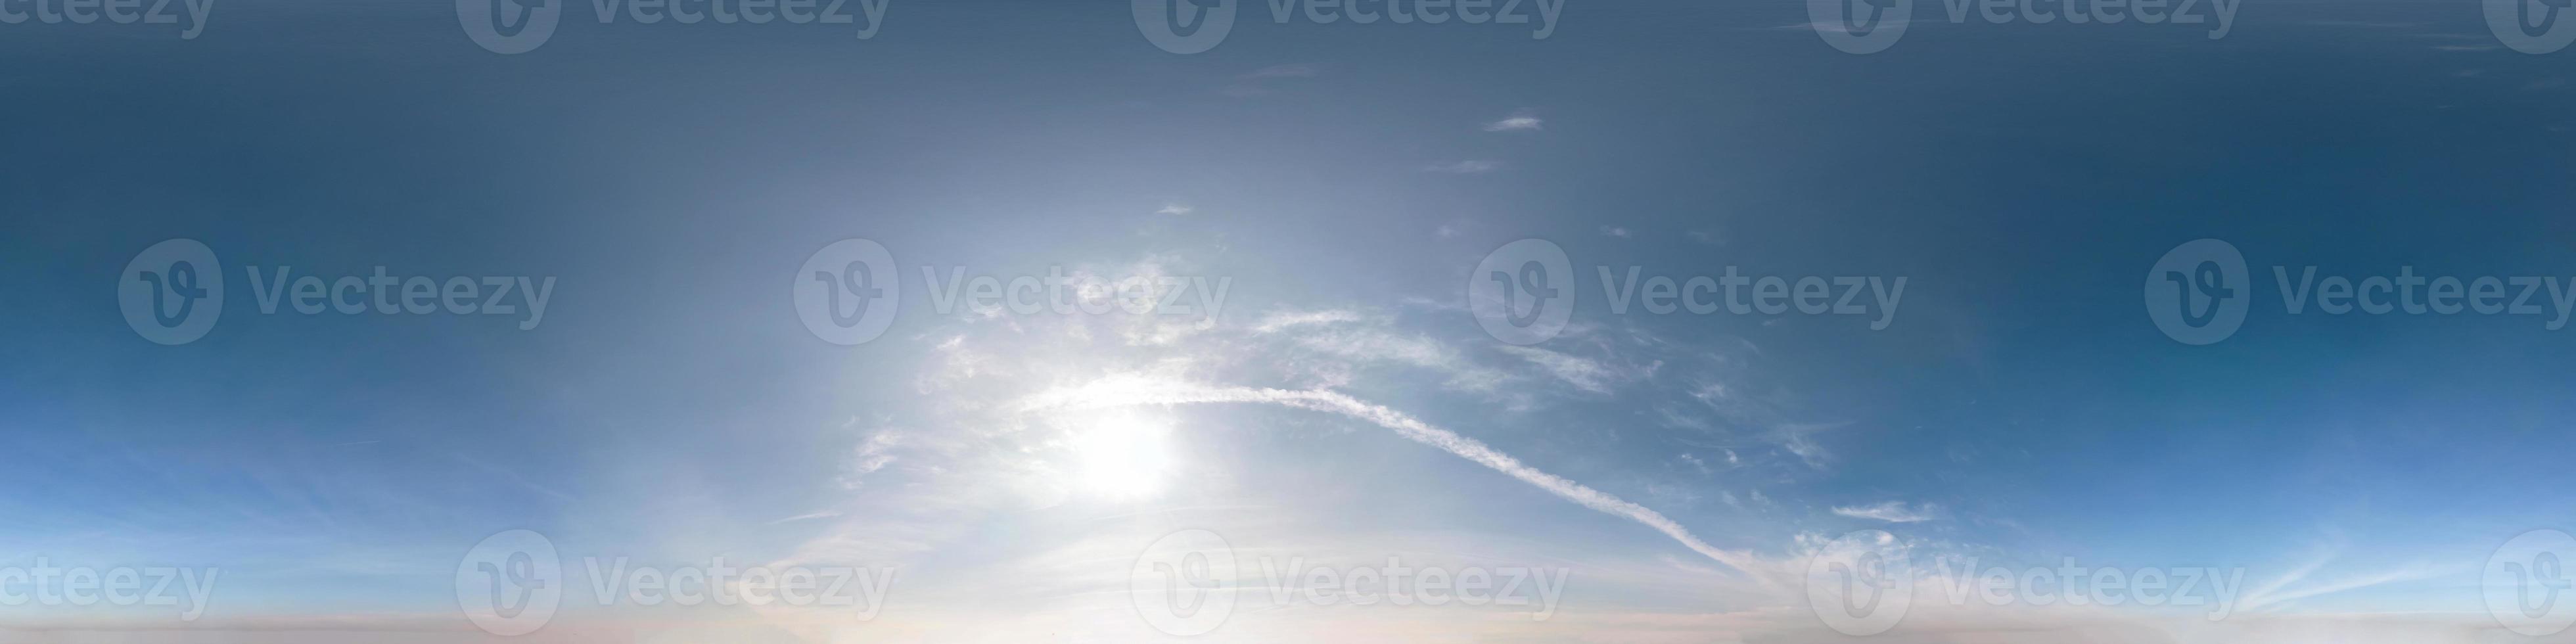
<point x="1304" y="302"/>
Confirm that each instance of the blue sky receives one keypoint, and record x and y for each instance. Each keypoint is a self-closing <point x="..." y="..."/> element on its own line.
<point x="1342" y="182"/>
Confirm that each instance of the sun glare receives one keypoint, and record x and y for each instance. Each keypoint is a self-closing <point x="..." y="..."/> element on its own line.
<point x="1123" y="458"/>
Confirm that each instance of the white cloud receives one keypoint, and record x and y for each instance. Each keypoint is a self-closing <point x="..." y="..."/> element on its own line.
<point x="1614" y="231"/>
<point x="1697" y="464"/>
<point x="1799" y="439"/>
<point x="1286" y="319"/>
<point x="1520" y="121"/>
<point x="1891" y="512"/>
<point x="1175" y="209"/>
<point x="2279" y="590"/>
<point x="1583" y="373"/>
<point x="1377" y="345"/>
<point x="872" y="455"/>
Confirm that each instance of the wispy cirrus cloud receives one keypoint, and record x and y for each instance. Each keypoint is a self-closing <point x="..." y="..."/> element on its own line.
<point x="1891" y="512"/>
<point x="1276" y="322"/>
<point x="1584" y="373"/>
<point x="2301" y="582"/>
<point x="1520" y="121"/>
<point x="872" y="455"/>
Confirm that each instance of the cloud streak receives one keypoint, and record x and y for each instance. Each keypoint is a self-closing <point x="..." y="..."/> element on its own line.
<point x="1891" y="512"/>
<point x="1127" y="391"/>
<point x="1521" y="121"/>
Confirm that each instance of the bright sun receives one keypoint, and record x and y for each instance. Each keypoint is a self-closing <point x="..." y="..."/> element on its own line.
<point x="1123" y="458"/>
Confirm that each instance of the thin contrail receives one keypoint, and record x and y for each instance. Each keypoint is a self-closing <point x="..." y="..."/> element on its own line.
<point x="1127" y="391"/>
